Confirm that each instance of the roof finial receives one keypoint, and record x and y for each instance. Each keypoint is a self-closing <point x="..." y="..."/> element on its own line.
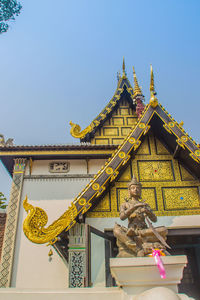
<point x="123" y="69"/>
<point x="137" y="90"/>
<point x="152" y="88"/>
<point x="153" y="100"/>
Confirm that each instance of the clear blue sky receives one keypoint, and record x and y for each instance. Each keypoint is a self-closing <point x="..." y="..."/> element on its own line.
<point x="59" y="61"/>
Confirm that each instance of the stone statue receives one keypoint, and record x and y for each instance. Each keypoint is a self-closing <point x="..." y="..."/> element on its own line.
<point x="138" y="239"/>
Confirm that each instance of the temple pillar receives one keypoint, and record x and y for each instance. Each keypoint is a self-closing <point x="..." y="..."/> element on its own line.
<point x="11" y="223"/>
<point x="77" y="256"/>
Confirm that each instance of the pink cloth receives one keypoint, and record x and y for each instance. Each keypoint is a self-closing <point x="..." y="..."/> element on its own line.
<point x="156" y="254"/>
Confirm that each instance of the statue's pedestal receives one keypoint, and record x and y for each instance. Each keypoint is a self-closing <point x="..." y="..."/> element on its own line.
<point x="138" y="274"/>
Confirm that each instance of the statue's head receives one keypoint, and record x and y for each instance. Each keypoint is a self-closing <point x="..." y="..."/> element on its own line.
<point x="134" y="188"/>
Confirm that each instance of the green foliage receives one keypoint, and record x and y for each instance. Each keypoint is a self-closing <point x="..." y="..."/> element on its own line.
<point x="2" y="201"/>
<point x="8" y="10"/>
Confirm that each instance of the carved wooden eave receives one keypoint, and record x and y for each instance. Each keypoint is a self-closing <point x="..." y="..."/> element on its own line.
<point x="85" y="134"/>
<point x="163" y="126"/>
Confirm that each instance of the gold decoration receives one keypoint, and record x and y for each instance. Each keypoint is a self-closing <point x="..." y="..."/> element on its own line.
<point x="37" y="218"/>
<point x="146" y="129"/>
<point x="153" y="100"/>
<point x="127" y="157"/>
<point x="152" y="89"/>
<point x="118" y="121"/>
<point x="137" y="90"/>
<point x="124" y="111"/>
<point x="103" y="116"/>
<point x="76" y="130"/>
<point x="50" y="253"/>
<point x="114" y="175"/>
<point x="82" y="201"/>
<point x="180" y="143"/>
<point x="167" y="128"/>
<point x="185" y="175"/>
<point x="103" y="205"/>
<point x="86" y="207"/>
<point x="118" y="124"/>
<point x="197" y="153"/>
<point x="111" y="131"/>
<point x="184" y="138"/>
<point x="100" y="191"/>
<point x="123" y="69"/>
<point x="95" y="186"/>
<point x="137" y="144"/>
<point x="155" y="170"/>
<point x="181" y="198"/>
<point x="144" y="147"/>
<point x="121" y="154"/>
<point x="109" y="170"/>
<point x="142" y="125"/>
<point x="194" y="157"/>
<point x="171" y="124"/>
<point x="125" y="131"/>
<point x="160" y="148"/>
<point x="131" y="121"/>
<point x="126" y="175"/>
<point x="151" y="190"/>
<point x="181" y="123"/>
<point x="149" y="196"/>
<point x="132" y="140"/>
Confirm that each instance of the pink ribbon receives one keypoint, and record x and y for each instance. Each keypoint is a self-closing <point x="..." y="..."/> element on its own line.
<point x="156" y="254"/>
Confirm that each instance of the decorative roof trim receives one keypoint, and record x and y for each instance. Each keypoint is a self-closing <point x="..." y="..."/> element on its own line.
<point x="66" y="152"/>
<point x="83" y="202"/>
<point x="55" y="149"/>
<point x="76" y="129"/>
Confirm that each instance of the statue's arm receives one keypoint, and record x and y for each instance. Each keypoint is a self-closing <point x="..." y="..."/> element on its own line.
<point x="125" y="211"/>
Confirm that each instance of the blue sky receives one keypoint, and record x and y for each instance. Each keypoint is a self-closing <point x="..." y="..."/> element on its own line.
<point x="59" y="62"/>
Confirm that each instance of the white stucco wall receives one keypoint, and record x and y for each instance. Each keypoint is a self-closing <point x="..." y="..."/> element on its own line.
<point x="31" y="265"/>
<point x="32" y="268"/>
<point x="77" y="166"/>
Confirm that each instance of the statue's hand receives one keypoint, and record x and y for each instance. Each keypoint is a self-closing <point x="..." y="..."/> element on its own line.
<point x="133" y="215"/>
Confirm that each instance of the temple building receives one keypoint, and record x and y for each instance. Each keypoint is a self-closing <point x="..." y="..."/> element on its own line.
<point x="65" y="199"/>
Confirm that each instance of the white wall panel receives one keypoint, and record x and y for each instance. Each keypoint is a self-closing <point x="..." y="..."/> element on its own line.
<point x="32" y="268"/>
<point x="41" y="167"/>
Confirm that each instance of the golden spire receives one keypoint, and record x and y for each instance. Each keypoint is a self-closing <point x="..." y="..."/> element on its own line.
<point x="123" y="69"/>
<point x="137" y="90"/>
<point x="152" y="88"/>
<point x="153" y="100"/>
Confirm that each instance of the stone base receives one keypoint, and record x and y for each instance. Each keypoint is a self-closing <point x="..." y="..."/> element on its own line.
<point x="88" y="294"/>
<point x="114" y="293"/>
<point x="138" y="274"/>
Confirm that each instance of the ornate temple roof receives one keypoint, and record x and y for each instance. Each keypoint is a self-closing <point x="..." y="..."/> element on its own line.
<point x="123" y="84"/>
<point x="162" y="124"/>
